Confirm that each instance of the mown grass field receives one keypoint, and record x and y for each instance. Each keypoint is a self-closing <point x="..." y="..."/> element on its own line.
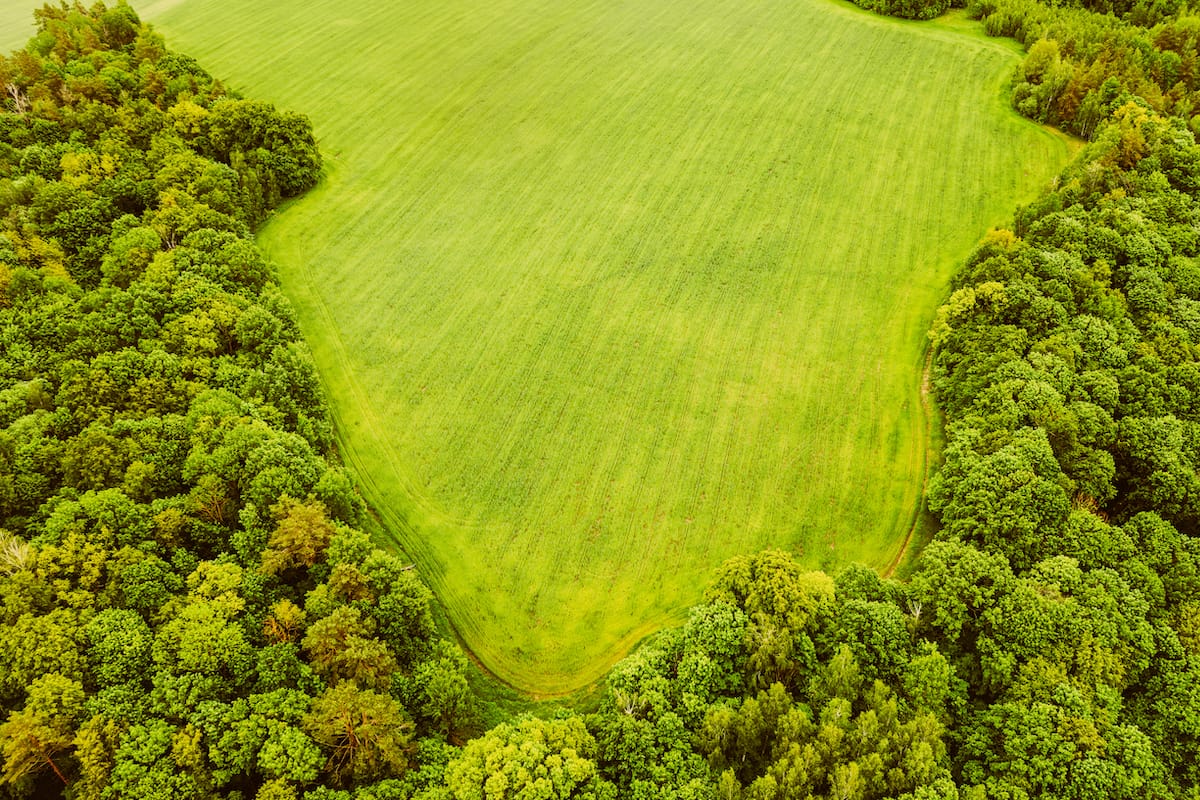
<point x="604" y="293"/>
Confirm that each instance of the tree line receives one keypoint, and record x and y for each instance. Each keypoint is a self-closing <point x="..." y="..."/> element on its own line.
<point x="189" y="607"/>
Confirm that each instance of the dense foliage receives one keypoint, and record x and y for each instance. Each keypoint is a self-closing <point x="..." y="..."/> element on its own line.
<point x="908" y="9"/>
<point x="188" y="608"/>
<point x="1081" y="65"/>
<point x="1066" y="363"/>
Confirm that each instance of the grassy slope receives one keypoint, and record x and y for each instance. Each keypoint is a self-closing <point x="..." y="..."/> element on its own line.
<point x="605" y="293"/>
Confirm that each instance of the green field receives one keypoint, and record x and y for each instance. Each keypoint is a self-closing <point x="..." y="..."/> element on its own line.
<point x="605" y="293"/>
<point x="16" y="23"/>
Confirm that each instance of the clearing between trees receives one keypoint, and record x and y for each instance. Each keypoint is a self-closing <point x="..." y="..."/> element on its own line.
<point x="603" y="294"/>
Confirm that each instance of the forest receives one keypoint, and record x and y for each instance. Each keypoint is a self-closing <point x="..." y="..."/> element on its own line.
<point x="191" y="605"/>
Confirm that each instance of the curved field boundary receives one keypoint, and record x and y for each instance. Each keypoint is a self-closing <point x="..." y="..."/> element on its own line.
<point x="605" y="293"/>
<point x="927" y="412"/>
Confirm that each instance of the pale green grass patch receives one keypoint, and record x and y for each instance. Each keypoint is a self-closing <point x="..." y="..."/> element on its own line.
<point x="604" y="293"/>
<point x="16" y="24"/>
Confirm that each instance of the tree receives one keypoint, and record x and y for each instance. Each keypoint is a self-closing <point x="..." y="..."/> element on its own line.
<point x="1155" y="468"/>
<point x="260" y="735"/>
<point x="341" y="647"/>
<point x="649" y="758"/>
<point x="402" y="613"/>
<point x="779" y="601"/>
<point x="120" y="643"/>
<point x="365" y="734"/>
<point x="96" y="745"/>
<point x="203" y="639"/>
<point x="1089" y="622"/>
<point x="552" y="759"/>
<point x="38" y="645"/>
<point x="930" y="684"/>
<point x="147" y="765"/>
<point x="284" y="623"/>
<point x="712" y="653"/>
<point x="129" y="255"/>
<point x="443" y="694"/>
<point x="953" y="585"/>
<point x="32" y="738"/>
<point x="1058" y="747"/>
<point x="877" y="635"/>
<point x="1011" y="501"/>
<point x="301" y="534"/>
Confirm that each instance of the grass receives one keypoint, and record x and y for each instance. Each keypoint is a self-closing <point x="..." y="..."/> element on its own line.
<point x="604" y="293"/>
<point x="16" y="23"/>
